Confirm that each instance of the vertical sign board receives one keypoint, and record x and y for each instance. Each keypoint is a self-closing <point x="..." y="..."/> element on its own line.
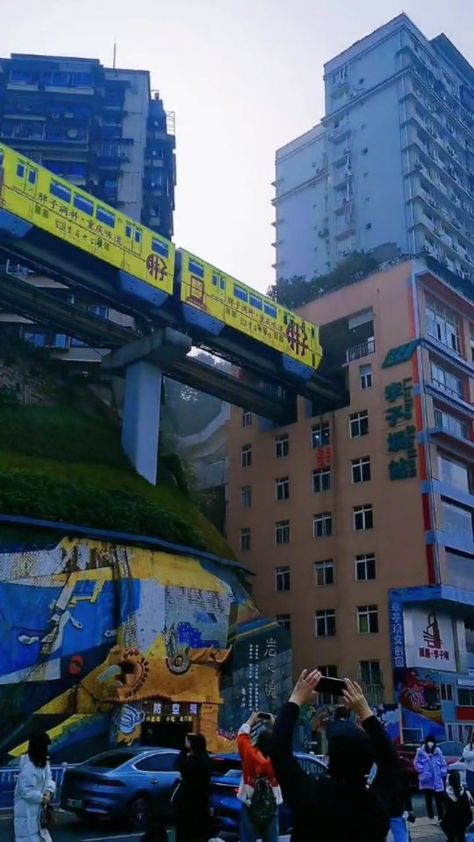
<point x="397" y="632"/>
<point x="261" y="674"/>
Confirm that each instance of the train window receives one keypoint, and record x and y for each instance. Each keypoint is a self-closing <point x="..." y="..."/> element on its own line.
<point x="61" y="192"/>
<point x="83" y="204"/>
<point x="285" y="318"/>
<point x="269" y="310"/>
<point x="160" y="248"/>
<point x="255" y="302"/>
<point x="196" y="268"/>
<point x="222" y="283"/>
<point x="32" y="176"/>
<point x="214" y="280"/>
<point x="240" y="293"/>
<point x="312" y="332"/>
<point x="1" y="157"/>
<point x="138" y="235"/>
<point x="128" y="230"/>
<point x="105" y="216"/>
<point x="20" y="170"/>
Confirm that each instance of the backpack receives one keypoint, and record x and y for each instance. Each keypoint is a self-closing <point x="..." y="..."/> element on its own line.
<point x="262" y="807"/>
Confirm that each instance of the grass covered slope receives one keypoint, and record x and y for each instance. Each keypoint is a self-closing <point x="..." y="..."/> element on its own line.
<point x="65" y="465"/>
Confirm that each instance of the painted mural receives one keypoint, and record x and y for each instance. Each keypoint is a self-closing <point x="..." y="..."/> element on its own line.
<point x="104" y="643"/>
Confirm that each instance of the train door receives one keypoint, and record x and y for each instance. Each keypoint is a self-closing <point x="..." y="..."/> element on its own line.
<point x="137" y="239"/>
<point x="218" y="294"/>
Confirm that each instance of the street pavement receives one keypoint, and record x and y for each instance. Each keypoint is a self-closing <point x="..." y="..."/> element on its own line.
<point x="68" y="829"/>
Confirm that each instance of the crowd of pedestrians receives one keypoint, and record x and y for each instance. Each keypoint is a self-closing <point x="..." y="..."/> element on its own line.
<point x="363" y="797"/>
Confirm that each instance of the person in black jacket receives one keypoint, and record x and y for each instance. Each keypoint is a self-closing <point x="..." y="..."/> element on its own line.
<point x="191" y="801"/>
<point x="340" y="806"/>
<point x="340" y="722"/>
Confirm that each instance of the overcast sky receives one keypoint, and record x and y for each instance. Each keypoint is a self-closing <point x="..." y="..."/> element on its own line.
<point x="243" y="76"/>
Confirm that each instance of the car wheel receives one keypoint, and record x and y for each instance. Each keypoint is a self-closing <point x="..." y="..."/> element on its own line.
<point x="139" y="812"/>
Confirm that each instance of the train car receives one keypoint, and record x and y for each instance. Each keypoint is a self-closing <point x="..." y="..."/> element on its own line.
<point x="212" y="301"/>
<point x="31" y="195"/>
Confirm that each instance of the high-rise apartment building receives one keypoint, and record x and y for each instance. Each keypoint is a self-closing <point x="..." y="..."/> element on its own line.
<point x="391" y="163"/>
<point x="103" y="129"/>
<point x="359" y="523"/>
<point x="98" y="127"/>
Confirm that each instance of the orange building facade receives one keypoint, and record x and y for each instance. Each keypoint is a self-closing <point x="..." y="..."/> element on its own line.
<point x="359" y="523"/>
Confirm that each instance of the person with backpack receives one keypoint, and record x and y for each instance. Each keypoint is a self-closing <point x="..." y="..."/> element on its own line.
<point x="458" y="804"/>
<point x="338" y="806"/>
<point x="259" y="790"/>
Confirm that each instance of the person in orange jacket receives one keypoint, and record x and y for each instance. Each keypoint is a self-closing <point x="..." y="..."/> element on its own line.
<point x="256" y="765"/>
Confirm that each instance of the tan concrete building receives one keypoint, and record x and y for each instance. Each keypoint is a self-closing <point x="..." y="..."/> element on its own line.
<point x="359" y="523"/>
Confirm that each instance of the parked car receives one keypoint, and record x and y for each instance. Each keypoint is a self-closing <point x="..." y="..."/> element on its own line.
<point x="127" y="783"/>
<point x="406" y="753"/>
<point x="452" y="750"/>
<point x="227" y="769"/>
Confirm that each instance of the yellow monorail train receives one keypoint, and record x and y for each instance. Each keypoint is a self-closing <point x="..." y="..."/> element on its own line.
<point x="30" y="195"/>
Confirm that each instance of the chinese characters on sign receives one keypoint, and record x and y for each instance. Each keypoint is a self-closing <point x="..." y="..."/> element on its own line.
<point x="251" y="693"/>
<point x="270" y="654"/>
<point x="398" y="635"/>
<point x="401" y="440"/>
<point x="172" y="713"/>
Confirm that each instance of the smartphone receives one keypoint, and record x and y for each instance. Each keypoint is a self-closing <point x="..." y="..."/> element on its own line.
<point x="334" y="686"/>
<point x="264" y="716"/>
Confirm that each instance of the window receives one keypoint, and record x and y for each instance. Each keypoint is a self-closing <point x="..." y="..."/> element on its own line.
<point x="320" y="435"/>
<point x="457" y="520"/>
<point x="282" y="579"/>
<point x="83" y="204"/>
<point x="367" y="619"/>
<point x="359" y="424"/>
<point x="247" y="419"/>
<point x="365" y="374"/>
<point x="282" y="532"/>
<point x="446" y="381"/>
<point x="322" y="525"/>
<point x="60" y="191"/>
<point x="364" y="567"/>
<point x="282" y="445"/>
<point x="164" y="762"/>
<point x="322" y="480"/>
<point x="128" y="230"/>
<point x="451" y="424"/>
<point x="282" y="488"/>
<point x="323" y="572"/>
<point x="453" y="473"/>
<point x="255" y="302"/>
<point x="361" y="469"/>
<point x="20" y="170"/>
<point x="246" y="496"/>
<point x="245" y="539"/>
<point x="138" y="235"/>
<point x="363" y="517"/>
<point x="269" y="310"/>
<point x="325" y="623"/>
<point x="240" y="293"/>
<point x="466" y="697"/>
<point x="32" y="174"/>
<point x="196" y="268"/>
<point x="246" y="456"/>
<point x="446" y="692"/>
<point x="370" y="672"/>
<point x="160" y="248"/>
<point x="105" y="216"/>
<point x="443" y="325"/>
<point x="284" y="620"/>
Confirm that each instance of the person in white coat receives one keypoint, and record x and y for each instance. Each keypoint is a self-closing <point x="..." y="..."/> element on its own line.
<point x="468" y="757"/>
<point x="34" y="788"/>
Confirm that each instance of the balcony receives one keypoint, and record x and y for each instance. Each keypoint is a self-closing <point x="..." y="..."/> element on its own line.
<point x="363" y="349"/>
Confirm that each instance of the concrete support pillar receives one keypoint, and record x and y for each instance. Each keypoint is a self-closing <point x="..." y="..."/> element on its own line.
<point x="143" y="363"/>
<point x="141" y="417"/>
